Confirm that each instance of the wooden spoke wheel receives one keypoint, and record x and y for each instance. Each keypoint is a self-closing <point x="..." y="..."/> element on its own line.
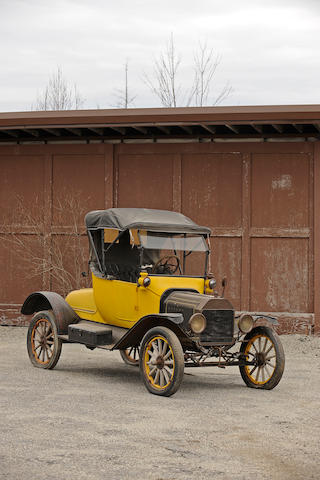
<point x="130" y="356"/>
<point x="44" y="346"/>
<point x="161" y="361"/>
<point x="263" y="349"/>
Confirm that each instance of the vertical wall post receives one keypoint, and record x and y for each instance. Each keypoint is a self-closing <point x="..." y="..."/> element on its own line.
<point x="316" y="236"/>
<point x="245" y="240"/>
<point x="47" y="216"/>
<point x="176" y="184"/>
<point x="108" y="175"/>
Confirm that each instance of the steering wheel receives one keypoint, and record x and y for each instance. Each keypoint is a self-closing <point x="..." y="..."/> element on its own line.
<point x="163" y="265"/>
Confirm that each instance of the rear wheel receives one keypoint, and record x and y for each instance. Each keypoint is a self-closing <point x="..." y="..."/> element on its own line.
<point x="43" y="344"/>
<point x="262" y="347"/>
<point x="161" y="361"/>
<point x="130" y="356"/>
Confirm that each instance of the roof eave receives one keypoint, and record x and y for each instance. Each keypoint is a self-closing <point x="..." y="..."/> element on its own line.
<point x="276" y="113"/>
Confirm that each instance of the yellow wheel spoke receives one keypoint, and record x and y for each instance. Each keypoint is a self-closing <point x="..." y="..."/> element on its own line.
<point x="166" y="376"/>
<point x="265" y="344"/>
<point x="155" y="349"/>
<point x="156" y="378"/>
<point x="167" y="355"/>
<point x="269" y="358"/>
<point x="254" y="369"/>
<point x="270" y="348"/>
<point x="164" y="349"/>
<point x="258" y="373"/>
<point x="267" y="371"/>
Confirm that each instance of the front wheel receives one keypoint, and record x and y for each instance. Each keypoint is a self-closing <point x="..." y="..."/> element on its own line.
<point x="44" y="346"/>
<point x="161" y="361"/>
<point x="263" y="348"/>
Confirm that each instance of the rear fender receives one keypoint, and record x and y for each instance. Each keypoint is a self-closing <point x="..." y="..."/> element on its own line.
<point x="136" y="333"/>
<point x="64" y="314"/>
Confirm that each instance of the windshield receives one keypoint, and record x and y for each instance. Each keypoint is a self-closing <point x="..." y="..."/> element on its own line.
<point x="122" y="255"/>
<point x="180" y="242"/>
<point x="178" y="254"/>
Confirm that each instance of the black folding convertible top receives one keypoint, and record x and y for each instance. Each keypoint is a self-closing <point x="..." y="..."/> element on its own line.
<point x="143" y="218"/>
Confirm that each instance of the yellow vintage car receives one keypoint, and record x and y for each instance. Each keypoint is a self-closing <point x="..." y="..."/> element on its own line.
<point x="154" y="299"/>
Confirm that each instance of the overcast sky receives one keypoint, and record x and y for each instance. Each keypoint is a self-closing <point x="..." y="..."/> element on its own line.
<point x="269" y="49"/>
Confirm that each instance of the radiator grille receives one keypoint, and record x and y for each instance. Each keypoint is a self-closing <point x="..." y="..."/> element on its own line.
<point x="219" y="327"/>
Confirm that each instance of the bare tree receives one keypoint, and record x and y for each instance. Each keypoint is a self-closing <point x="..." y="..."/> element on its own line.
<point x="61" y="257"/>
<point x="124" y="99"/>
<point x="205" y="66"/>
<point x="164" y="82"/>
<point x="59" y="94"/>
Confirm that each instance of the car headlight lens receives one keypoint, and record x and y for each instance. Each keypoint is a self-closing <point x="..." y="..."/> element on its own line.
<point x="245" y="323"/>
<point x="210" y="284"/>
<point x="146" y="281"/>
<point x="197" y="323"/>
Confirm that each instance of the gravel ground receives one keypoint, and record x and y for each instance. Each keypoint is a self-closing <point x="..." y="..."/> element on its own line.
<point x="92" y="418"/>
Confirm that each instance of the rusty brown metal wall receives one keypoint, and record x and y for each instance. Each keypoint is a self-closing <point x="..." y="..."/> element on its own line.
<point x="258" y="198"/>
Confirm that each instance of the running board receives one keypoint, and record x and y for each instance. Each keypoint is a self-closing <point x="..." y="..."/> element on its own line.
<point x="94" y="334"/>
<point x="89" y="333"/>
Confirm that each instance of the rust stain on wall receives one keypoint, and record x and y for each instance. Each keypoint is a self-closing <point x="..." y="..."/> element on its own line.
<point x="283" y="182"/>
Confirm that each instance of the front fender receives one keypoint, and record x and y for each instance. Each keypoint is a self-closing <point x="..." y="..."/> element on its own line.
<point x="64" y="315"/>
<point x="136" y="333"/>
<point x="265" y="320"/>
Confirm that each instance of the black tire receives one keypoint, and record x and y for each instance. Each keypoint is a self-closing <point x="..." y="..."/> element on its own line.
<point x="43" y="344"/>
<point x="262" y="346"/>
<point x="130" y="356"/>
<point x="161" y="361"/>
